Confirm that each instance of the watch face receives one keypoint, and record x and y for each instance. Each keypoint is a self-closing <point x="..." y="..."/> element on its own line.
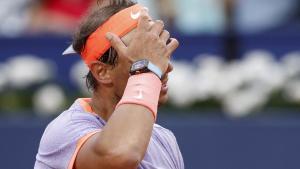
<point x="140" y="65"/>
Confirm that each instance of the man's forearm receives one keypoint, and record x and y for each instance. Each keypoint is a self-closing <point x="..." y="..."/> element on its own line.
<point x="127" y="134"/>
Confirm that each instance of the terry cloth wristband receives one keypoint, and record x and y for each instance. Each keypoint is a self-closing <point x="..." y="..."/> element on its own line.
<point x="142" y="89"/>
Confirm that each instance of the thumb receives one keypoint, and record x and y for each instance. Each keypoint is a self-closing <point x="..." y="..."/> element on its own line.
<point x="116" y="42"/>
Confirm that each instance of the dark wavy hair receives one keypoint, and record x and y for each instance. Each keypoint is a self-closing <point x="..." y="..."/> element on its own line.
<point x="96" y="17"/>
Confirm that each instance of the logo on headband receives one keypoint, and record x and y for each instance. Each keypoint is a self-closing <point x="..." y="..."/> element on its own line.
<point x="135" y="16"/>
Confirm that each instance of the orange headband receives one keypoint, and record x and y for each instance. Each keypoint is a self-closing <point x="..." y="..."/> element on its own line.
<point x="120" y="24"/>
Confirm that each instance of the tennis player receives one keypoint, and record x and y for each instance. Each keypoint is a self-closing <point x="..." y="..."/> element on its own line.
<point x="115" y="129"/>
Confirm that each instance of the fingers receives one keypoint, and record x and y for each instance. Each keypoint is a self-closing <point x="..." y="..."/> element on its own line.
<point x="172" y="46"/>
<point x="143" y="23"/>
<point x="116" y="43"/>
<point x="165" y="36"/>
<point x="170" y="67"/>
<point x="157" y="27"/>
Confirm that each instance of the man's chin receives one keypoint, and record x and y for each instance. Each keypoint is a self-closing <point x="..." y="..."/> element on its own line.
<point x="163" y="99"/>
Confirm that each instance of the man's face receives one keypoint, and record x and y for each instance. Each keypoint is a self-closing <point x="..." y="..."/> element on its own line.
<point x="121" y="74"/>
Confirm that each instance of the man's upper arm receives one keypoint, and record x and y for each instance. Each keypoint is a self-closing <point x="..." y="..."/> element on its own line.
<point x="86" y="157"/>
<point x="83" y="152"/>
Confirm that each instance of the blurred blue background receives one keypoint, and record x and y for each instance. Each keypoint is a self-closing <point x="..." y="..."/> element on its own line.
<point x="234" y="92"/>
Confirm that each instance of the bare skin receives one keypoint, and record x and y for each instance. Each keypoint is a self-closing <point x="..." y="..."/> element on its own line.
<point x="122" y="143"/>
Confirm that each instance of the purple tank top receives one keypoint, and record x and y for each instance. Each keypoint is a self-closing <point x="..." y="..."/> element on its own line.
<point x="64" y="135"/>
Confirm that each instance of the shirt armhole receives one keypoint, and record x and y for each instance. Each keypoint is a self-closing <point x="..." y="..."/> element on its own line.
<point x="80" y="143"/>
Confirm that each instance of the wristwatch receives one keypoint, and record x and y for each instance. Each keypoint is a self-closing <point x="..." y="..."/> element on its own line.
<point x="144" y="66"/>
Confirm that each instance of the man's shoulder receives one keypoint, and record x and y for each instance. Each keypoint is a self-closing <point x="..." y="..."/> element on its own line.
<point x="70" y="117"/>
<point x="69" y="126"/>
<point x="163" y="133"/>
<point x="161" y="128"/>
<point x="62" y="134"/>
<point x="163" y="141"/>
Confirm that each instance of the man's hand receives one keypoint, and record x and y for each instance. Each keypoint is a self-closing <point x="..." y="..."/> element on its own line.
<point x="149" y="42"/>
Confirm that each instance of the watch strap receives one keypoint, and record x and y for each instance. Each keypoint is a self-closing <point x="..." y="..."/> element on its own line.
<point x="156" y="70"/>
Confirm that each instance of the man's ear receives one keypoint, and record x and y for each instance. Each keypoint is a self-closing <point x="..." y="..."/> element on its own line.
<point x="101" y="72"/>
